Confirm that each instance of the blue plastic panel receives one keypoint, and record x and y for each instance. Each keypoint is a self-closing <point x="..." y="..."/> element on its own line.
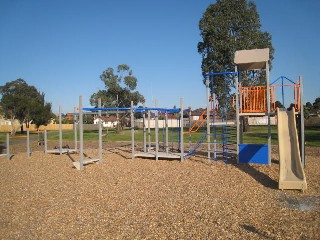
<point x="253" y="153"/>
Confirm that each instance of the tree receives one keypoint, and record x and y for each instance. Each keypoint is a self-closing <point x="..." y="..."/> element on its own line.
<point x="307" y="110"/>
<point x="278" y="104"/>
<point x="119" y="89"/>
<point x="228" y="26"/>
<point x="316" y="106"/>
<point x="25" y="103"/>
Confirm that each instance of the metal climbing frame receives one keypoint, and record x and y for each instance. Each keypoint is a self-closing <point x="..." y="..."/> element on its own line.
<point x="221" y="132"/>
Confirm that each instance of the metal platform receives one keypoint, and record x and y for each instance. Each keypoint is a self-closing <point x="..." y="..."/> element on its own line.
<point x="64" y="150"/>
<point x="160" y="155"/>
<point x="85" y="161"/>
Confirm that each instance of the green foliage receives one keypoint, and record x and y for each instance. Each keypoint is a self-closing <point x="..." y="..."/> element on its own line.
<point x="228" y="26"/>
<point x="119" y="88"/>
<point x="316" y="105"/>
<point x="278" y="104"/>
<point x="25" y="103"/>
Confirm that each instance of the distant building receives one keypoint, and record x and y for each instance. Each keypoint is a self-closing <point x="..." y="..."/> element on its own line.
<point x="107" y="122"/>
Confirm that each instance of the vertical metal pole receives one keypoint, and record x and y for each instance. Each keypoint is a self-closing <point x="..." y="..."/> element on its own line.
<point x="208" y="115"/>
<point x="303" y="159"/>
<point x="81" y="132"/>
<point x="100" y="132"/>
<point x="45" y="142"/>
<point x="157" y="129"/>
<point x="144" y="129"/>
<point x="75" y="131"/>
<point x="237" y="112"/>
<point x="268" y="109"/>
<point x="167" y="133"/>
<point x="8" y="147"/>
<point x="190" y="143"/>
<point x="149" y="132"/>
<point x="28" y="143"/>
<point x="181" y="130"/>
<point x="214" y="127"/>
<point x="132" y="129"/>
<point x="60" y="131"/>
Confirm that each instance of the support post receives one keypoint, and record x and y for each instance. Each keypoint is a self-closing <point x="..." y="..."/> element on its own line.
<point x="268" y="113"/>
<point x="157" y="129"/>
<point x="45" y="141"/>
<point x="303" y="159"/>
<point x="144" y="129"/>
<point x="190" y="141"/>
<point x="208" y="115"/>
<point x="75" y="131"/>
<point x="100" y="132"/>
<point x="214" y="135"/>
<point x="167" y="133"/>
<point x="81" y="132"/>
<point x="237" y="113"/>
<point x="149" y="132"/>
<point x="60" y="131"/>
<point x="132" y="129"/>
<point x="28" y="143"/>
<point x="181" y="130"/>
<point x="8" y="146"/>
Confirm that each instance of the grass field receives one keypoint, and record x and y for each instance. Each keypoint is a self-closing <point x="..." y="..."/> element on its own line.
<point x="257" y="134"/>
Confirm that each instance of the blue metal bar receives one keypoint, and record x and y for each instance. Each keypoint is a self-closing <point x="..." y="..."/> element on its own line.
<point x="140" y="110"/>
<point x="219" y="73"/>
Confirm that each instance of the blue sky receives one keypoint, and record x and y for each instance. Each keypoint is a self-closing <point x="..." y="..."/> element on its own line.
<point x="61" y="47"/>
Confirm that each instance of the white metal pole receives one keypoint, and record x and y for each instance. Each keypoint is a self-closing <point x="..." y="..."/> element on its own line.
<point x="156" y="129"/>
<point x="132" y="130"/>
<point x="268" y="112"/>
<point x="181" y="130"/>
<point x="144" y="129"/>
<point x="60" y="131"/>
<point x="28" y="143"/>
<point x="237" y="112"/>
<point x="303" y="159"/>
<point x="81" y="132"/>
<point x="8" y="147"/>
<point x="149" y="132"/>
<point x="208" y="115"/>
<point x="75" y="131"/>
<point x="100" y="132"/>
<point x="45" y="141"/>
<point x="167" y="133"/>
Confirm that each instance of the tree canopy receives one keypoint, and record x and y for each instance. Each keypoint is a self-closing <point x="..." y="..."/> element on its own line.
<point x="228" y="26"/>
<point x="119" y="88"/>
<point x="25" y="103"/>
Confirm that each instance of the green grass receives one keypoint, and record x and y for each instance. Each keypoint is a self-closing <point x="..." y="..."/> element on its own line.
<point x="257" y="134"/>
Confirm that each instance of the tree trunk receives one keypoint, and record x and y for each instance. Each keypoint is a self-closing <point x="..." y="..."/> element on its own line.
<point x="245" y="123"/>
<point x="21" y="128"/>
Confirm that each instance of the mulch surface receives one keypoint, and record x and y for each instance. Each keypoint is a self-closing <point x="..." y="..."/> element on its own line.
<point x="45" y="197"/>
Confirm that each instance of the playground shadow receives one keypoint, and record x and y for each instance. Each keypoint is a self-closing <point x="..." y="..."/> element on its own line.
<point x="119" y="151"/>
<point x="259" y="233"/>
<point x="257" y="175"/>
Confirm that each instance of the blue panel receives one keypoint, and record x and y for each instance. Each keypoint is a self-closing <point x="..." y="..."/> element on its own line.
<point x="253" y="153"/>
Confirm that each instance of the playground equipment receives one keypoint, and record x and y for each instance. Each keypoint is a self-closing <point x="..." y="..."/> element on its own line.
<point x="260" y="101"/>
<point x="256" y="100"/>
<point x="82" y="161"/>
<point x="61" y="149"/>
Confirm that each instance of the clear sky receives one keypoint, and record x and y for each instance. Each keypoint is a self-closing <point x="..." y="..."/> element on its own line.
<point x="61" y="47"/>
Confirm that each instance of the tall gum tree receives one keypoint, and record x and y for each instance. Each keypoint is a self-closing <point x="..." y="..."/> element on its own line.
<point x="225" y="27"/>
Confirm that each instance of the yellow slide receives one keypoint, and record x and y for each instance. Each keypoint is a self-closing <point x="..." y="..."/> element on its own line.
<point x="291" y="171"/>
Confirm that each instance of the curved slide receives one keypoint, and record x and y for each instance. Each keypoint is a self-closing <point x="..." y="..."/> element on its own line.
<point x="291" y="171"/>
